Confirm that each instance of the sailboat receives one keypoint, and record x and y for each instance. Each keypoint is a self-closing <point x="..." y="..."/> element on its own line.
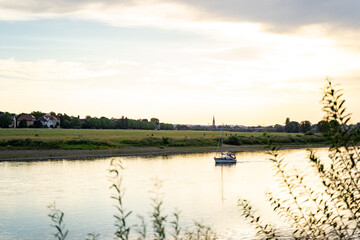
<point x="228" y="157"/>
<point x="224" y="158"/>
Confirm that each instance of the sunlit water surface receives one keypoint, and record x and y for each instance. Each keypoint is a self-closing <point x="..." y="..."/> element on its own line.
<point x="191" y="183"/>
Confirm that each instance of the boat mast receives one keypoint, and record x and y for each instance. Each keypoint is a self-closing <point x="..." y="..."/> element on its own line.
<point x="220" y="142"/>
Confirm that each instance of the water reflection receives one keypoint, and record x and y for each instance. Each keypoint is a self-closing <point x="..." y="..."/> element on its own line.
<point x="191" y="183"/>
<point x="221" y="166"/>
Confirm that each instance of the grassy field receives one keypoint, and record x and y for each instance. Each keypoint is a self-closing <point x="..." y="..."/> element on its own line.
<point x="110" y="139"/>
<point x="111" y="135"/>
<point x="114" y="134"/>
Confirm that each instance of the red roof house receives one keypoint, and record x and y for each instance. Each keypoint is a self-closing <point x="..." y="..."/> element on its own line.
<point x="30" y="119"/>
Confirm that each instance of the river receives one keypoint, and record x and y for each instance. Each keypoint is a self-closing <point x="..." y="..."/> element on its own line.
<point x="192" y="184"/>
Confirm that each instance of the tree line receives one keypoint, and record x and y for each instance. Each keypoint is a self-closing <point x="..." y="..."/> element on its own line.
<point x="66" y="121"/>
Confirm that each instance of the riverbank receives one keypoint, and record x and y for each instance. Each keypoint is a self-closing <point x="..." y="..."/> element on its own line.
<point x="60" y="154"/>
<point x="54" y="144"/>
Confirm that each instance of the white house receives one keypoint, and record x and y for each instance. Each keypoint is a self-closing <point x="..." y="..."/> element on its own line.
<point x="50" y="121"/>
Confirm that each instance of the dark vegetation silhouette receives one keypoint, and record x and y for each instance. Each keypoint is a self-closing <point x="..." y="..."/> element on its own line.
<point x="331" y="210"/>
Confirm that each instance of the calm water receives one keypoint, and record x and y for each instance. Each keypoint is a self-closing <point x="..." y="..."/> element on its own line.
<point x="191" y="183"/>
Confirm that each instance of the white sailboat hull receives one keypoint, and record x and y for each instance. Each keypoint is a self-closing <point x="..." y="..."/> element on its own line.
<point x="224" y="160"/>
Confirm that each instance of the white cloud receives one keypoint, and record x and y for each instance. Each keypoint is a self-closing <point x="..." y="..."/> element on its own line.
<point x="51" y="70"/>
<point x="280" y="14"/>
<point x="252" y="65"/>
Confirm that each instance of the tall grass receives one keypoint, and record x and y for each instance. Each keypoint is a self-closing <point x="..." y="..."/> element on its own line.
<point x="58" y="144"/>
<point x="122" y="229"/>
<point x="262" y="139"/>
<point x="57" y="217"/>
<point x="29" y="143"/>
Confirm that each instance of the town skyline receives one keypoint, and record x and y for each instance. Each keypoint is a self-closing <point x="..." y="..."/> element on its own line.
<point x="56" y="120"/>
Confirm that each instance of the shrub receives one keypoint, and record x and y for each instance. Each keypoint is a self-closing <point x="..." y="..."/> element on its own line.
<point x="232" y="140"/>
<point x="330" y="212"/>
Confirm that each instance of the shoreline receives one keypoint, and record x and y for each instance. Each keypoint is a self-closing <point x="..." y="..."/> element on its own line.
<point x="62" y="154"/>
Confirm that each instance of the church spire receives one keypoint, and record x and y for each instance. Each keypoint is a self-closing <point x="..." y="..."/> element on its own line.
<point x="213" y="121"/>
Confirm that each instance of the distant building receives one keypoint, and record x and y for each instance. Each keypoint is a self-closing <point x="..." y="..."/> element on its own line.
<point x="50" y="121"/>
<point x="213" y="122"/>
<point x="30" y="119"/>
<point x="14" y="122"/>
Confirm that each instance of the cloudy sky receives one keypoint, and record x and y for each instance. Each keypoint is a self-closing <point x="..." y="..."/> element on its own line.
<point x="245" y="61"/>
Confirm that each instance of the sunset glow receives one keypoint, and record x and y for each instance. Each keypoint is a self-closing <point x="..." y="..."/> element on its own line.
<point x="179" y="61"/>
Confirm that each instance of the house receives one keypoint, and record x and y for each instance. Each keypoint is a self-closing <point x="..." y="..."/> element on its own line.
<point x="50" y="121"/>
<point x="30" y="119"/>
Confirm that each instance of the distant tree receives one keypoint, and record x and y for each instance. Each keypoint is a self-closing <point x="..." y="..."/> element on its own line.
<point x="126" y="123"/>
<point x="18" y="115"/>
<point x="323" y="126"/>
<point x="305" y="126"/>
<point x="132" y="124"/>
<point x="292" y="127"/>
<point x="107" y="123"/>
<point x="37" y="124"/>
<point x="75" y="122"/>
<point x="84" y="124"/>
<point x="37" y="114"/>
<point x="23" y="124"/>
<point x="166" y="126"/>
<point x="149" y="126"/>
<point x="64" y="120"/>
<point x="52" y="113"/>
<point x="5" y="120"/>
<point x="155" y="120"/>
<point x="119" y="124"/>
<point x="196" y="127"/>
<point x="279" y="128"/>
<point x="138" y="124"/>
<point x="65" y="124"/>
<point x="94" y="123"/>
<point x="122" y="123"/>
<point x="144" y="120"/>
<point x="182" y="127"/>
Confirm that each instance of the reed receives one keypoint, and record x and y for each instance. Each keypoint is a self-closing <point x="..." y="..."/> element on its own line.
<point x="57" y="217"/>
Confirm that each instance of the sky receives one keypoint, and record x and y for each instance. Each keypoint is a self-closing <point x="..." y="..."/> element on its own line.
<point x="246" y="62"/>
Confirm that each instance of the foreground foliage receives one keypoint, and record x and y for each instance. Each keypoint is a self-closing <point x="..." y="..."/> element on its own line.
<point x="332" y="209"/>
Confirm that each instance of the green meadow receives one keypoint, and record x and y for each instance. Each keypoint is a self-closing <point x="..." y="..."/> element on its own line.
<point x="112" y="139"/>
